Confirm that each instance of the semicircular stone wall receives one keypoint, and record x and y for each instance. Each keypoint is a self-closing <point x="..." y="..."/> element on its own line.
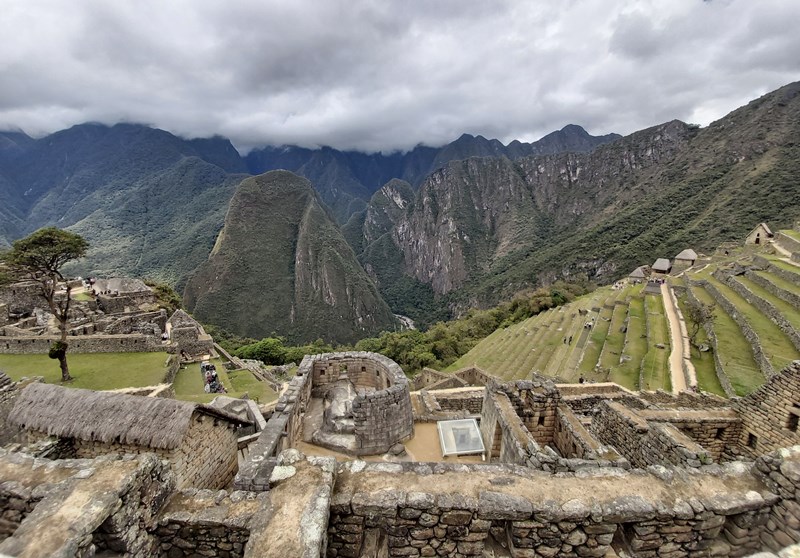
<point x="381" y="418"/>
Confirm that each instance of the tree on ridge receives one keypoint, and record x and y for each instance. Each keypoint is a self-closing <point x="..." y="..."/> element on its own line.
<point x="39" y="257"/>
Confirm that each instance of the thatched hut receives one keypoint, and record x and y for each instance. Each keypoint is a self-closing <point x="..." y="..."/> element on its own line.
<point x="662" y="265"/>
<point x="200" y="441"/>
<point x="684" y="260"/>
<point x="638" y="275"/>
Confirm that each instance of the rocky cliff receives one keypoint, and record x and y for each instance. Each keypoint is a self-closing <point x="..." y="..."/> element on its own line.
<point x="281" y="265"/>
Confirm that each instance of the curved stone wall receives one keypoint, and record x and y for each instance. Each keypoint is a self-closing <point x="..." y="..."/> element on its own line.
<point x="382" y="414"/>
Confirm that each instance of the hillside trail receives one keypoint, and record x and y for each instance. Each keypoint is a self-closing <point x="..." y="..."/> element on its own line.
<point x="679" y="342"/>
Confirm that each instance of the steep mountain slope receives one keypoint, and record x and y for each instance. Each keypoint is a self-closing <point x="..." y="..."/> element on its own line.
<point x="150" y="203"/>
<point x="484" y="228"/>
<point x="346" y="180"/>
<point x="281" y="265"/>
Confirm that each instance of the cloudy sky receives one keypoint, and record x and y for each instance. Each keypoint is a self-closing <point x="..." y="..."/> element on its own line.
<point x="383" y="74"/>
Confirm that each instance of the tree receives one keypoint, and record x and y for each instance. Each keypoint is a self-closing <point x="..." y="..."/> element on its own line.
<point x="697" y="315"/>
<point x="39" y="258"/>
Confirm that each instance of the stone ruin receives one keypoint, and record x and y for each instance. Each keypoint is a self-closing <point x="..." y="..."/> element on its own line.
<point x="122" y="317"/>
<point x="585" y="470"/>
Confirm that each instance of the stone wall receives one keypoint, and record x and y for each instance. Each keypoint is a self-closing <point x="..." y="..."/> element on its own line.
<point x="749" y="333"/>
<point x="684" y="399"/>
<point x="766" y="308"/>
<point x="780" y="472"/>
<point x="787" y="242"/>
<point x="206" y="523"/>
<point x="207" y="457"/>
<point x="772" y="288"/>
<point x="534" y="514"/>
<point x="645" y="444"/>
<point x="571" y="437"/>
<point x="382" y="417"/>
<point x="40" y="345"/>
<point x="767" y="415"/>
<point x="719" y="368"/>
<point x="16" y="502"/>
<point x="112" y="304"/>
<point x="469" y="401"/>
<point x="98" y="505"/>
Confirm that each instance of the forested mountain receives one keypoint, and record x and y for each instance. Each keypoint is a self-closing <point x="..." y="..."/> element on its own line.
<point x="479" y="230"/>
<point x="281" y="265"/>
<point x="437" y="229"/>
<point x="347" y="179"/>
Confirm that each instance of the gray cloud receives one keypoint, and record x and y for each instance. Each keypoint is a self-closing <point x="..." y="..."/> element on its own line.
<point x="387" y="75"/>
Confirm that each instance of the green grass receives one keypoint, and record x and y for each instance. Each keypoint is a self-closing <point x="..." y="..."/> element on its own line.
<point x="734" y="350"/>
<point x="791" y="233"/>
<point x="97" y="371"/>
<point x="780" y="282"/>
<point x="189" y="384"/>
<point x="786" y="266"/>
<point x="778" y="349"/>
<point x="627" y="373"/>
<point x="788" y="311"/>
<point x="82" y="297"/>
<point x="703" y="362"/>
<point x="594" y="345"/>
<point x="615" y="339"/>
<point x="656" y="361"/>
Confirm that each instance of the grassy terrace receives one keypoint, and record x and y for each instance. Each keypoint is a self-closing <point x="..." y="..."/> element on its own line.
<point x="597" y="337"/>
<point x="612" y="349"/>
<point x="627" y="373"/>
<point x="788" y="311"/>
<point x="655" y="365"/>
<point x="784" y="265"/>
<point x="780" y="282"/>
<point x="98" y="371"/>
<point x="703" y="362"/>
<point x="791" y="233"/>
<point x="734" y="350"/>
<point x="189" y="384"/>
<point x="778" y="349"/>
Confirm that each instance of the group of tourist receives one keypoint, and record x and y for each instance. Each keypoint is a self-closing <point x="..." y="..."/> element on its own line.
<point x="212" y="383"/>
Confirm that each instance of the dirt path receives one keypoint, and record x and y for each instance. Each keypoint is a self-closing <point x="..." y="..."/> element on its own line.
<point x="680" y="346"/>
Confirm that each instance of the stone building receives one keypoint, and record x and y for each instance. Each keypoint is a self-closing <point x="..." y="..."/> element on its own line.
<point x="200" y="441"/>
<point x="761" y="234"/>
<point x="639" y="275"/>
<point x="188" y="337"/>
<point x="662" y="266"/>
<point x="684" y="260"/>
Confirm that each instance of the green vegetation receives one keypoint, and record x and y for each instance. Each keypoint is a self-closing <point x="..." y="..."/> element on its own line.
<point x="40" y="257"/>
<point x="635" y="347"/>
<point x="189" y="384"/>
<point x="789" y="312"/>
<point x="734" y="349"/>
<point x="445" y="342"/>
<point x="655" y="365"/>
<point x="166" y="297"/>
<point x="778" y="349"/>
<point x="97" y="371"/>
<point x="703" y="362"/>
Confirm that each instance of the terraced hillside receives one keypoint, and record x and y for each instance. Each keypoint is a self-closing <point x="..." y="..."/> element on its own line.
<point x="622" y="335"/>
<point x="618" y="335"/>
<point x="756" y="327"/>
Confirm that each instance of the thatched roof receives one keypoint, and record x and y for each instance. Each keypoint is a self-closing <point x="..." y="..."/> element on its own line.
<point x="687" y="254"/>
<point x="662" y="265"/>
<point x="98" y="416"/>
<point x="638" y="273"/>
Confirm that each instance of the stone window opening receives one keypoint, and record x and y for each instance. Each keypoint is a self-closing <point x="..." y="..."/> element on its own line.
<point x="752" y="440"/>
<point x="794" y="417"/>
<point x="720" y="433"/>
<point x="541" y="420"/>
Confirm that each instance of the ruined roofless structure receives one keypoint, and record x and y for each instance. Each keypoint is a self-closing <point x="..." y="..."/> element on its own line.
<point x="587" y="470"/>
